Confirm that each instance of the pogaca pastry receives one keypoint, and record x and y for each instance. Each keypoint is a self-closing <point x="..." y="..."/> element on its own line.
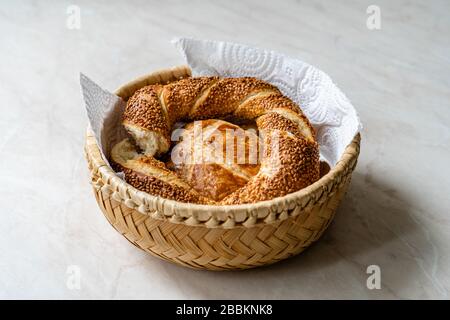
<point x="288" y="155"/>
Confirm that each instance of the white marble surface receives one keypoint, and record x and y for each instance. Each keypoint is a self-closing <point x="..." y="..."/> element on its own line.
<point x="395" y="215"/>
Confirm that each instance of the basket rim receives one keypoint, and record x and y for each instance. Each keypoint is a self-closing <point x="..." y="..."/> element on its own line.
<point x="193" y="214"/>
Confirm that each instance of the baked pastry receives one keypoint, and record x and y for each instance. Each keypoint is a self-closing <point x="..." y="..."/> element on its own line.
<point x="289" y="156"/>
<point x="151" y="175"/>
<point x="216" y="157"/>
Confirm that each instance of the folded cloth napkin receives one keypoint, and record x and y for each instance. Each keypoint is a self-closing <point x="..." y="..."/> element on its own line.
<point x="330" y="112"/>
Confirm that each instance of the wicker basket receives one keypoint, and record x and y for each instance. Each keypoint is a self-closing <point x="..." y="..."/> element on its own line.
<point x="217" y="237"/>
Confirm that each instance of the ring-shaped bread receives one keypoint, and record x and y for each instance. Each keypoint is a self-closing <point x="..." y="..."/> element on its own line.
<point x="290" y="158"/>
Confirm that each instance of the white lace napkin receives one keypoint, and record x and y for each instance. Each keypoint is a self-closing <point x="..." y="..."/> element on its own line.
<point x="104" y="110"/>
<point x="330" y="112"/>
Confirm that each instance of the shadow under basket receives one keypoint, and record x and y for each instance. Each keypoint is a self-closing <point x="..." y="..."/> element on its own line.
<point x="217" y="237"/>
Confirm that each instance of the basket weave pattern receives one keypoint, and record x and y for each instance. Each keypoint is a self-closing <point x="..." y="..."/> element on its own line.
<point x="217" y="237"/>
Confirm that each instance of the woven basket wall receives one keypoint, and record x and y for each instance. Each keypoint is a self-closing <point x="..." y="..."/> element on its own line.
<point x="217" y="237"/>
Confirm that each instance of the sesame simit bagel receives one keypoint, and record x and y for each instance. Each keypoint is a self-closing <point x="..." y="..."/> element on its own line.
<point x="289" y="152"/>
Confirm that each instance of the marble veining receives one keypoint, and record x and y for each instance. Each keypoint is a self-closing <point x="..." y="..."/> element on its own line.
<point x="396" y="212"/>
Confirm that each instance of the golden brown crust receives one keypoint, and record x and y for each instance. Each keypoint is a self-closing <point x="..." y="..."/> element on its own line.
<point x="225" y="95"/>
<point x="262" y="103"/>
<point x="212" y="180"/>
<point x="161" y="188"/>
<point x="275" y="121"/>
<point x="144" y="110"/>
<point x="288" y="166"/>
<point x="214" y="175"/>
<point x="151" y="175"/>
<point x="296" y="166"/>
<point x="180" y="96"/>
